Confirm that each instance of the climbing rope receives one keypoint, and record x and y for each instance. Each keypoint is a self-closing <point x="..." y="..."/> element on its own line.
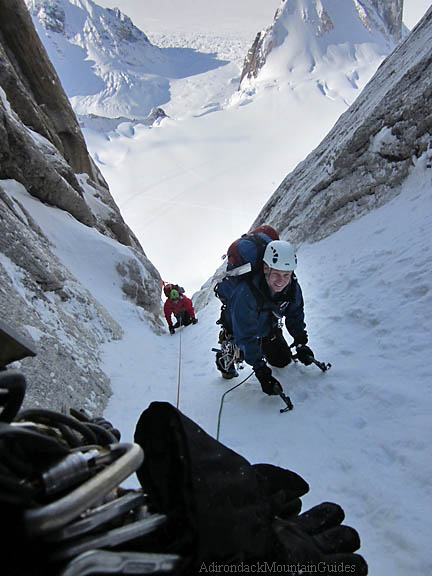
<point x="179" y="366"/>
<point x="222" y="401"/>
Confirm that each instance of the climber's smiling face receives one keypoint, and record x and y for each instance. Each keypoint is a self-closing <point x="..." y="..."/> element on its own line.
<point x="277" y="280"/>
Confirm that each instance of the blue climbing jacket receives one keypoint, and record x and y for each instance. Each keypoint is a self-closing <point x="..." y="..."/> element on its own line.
<point x="249" y="312"/>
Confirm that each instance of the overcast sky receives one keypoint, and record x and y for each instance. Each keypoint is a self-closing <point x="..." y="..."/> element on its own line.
<point x="143" y="11"/>
<point x="414" y="10"/>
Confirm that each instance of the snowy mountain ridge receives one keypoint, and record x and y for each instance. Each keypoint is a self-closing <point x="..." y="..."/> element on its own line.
<point x="193" y="87"/>
<point x="122" y="74"/>
<point x="325" y="42"/>
<point x="115" y="62"/>
<point x="368" y="153"/>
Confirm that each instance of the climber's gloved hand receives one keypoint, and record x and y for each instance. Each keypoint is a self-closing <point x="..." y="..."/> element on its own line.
<point x="269" y="384"/>
<point x="194" y="320"/>
<point x="318" y="537"/>
<point x="171" y="329"/>
<point x="301" y="338"/>
<point x="304" y="354"/>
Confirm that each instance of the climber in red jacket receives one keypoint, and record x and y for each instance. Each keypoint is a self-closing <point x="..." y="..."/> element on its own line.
<point x="182" y="308"/>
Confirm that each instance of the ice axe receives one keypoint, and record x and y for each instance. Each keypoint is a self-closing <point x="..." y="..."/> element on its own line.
<point x="324" y="366"/>
<point x="287" y="400"/>
<point x="321" y="365"/>
<point x="277" y="389"/>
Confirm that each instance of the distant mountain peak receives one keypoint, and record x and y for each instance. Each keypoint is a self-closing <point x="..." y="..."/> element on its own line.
<point x="305" y="33"/>
<point x="50" y="14"/>
<point x="390" y="12"/>
<point x="106" y="64"/>
<point x="74" y="17"/>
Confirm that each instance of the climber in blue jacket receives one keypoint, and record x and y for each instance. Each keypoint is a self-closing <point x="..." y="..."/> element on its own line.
<point x="255" y="307"/>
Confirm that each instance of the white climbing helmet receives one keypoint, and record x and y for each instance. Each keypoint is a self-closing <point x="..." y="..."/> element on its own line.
<point x="280" y="255"/>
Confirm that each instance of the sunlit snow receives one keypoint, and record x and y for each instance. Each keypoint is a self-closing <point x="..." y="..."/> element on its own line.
<point x="359" y="433"/>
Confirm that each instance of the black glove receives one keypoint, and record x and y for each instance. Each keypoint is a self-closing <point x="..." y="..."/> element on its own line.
<point x="212" y="496"/>
<point x="305" y="355"/>
<point x="243" y="513"/>
<point x="269" y="384"/>
<point x="171" y="329"/>
<point x="318" y="538"/>
<point x="194" y="320"/>
<point x="301" y="338"/>
<point x="283" y="489"/>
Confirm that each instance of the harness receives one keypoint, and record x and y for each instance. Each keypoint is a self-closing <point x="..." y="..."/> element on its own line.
<point x="277" y="307"/>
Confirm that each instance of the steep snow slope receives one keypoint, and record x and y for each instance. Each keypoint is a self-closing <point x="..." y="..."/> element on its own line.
<point x="358" y="433"/>
<point x="220" y="150"/>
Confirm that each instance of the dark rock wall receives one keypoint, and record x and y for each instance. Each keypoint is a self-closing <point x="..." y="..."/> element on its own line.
<point x="34" y="89"/>
<point x="42" y="150"/>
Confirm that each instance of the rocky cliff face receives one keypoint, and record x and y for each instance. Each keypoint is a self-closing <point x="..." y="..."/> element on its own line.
<point x="35" y="94"/>
<point x="368" y="153"/>
<point x="43" y="153"/>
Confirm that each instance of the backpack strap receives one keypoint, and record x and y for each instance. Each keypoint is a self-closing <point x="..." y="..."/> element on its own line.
<point x="239" y="271"/>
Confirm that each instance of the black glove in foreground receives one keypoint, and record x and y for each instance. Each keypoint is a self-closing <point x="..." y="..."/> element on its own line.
<point x="223" y="509"/>
<point x="319" y="542"/>
<point x="269" y="384"/>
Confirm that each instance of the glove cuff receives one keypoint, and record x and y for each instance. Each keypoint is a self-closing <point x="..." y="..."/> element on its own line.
<point x="301" y="339"/>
